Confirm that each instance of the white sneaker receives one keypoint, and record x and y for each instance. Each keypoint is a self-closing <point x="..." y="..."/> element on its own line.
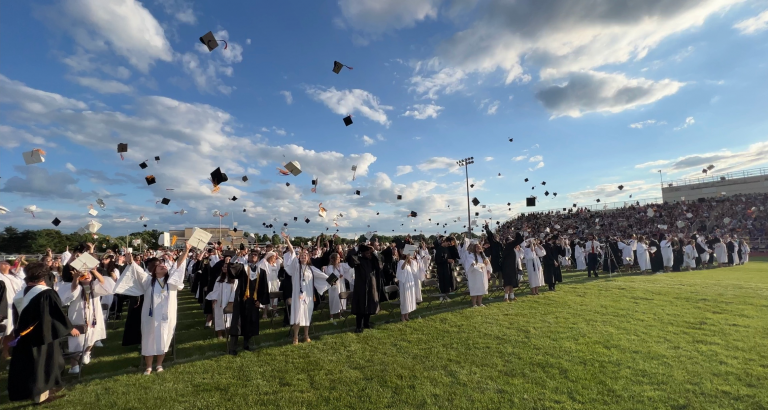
<point x="98" y="344"/>
<point x="87" y="358"/>
<point x="74" y="370"/>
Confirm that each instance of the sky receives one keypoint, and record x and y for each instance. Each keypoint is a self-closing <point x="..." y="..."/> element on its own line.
<point x="593" y="95"/>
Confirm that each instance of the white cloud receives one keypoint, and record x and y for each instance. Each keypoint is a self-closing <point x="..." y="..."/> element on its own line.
<point x="103" y="86"/>
<point x="125" y="27"/>
<point x="753" y="25"/>
<point x="424" y="111"/>
<point x="493" y="107"/>
<point x="403" y="169"/>
<point x="181" y="10"/>
<point x="346" y="102"/>
<point x="368" y="140"/>
<point x="592" y="91"/>
<point x="288" y="97"/>
<point x="205" y="75"/>
<point x="279" y="131"/>
<point x="652" y="163"/>
<point x="642" y="124"/>
<point x="488" y="159"/>
<point x="264" y="129"/>
<point x="605" y="191"/>
<point x="688" y="121"/>
<point x="376" y="16"/>
<point x="35" y="101"/>
<point x="535" y="158"/>
<point x="71" y="167"/>
<point x="13" y="137"/>
<point x="380" y="137"/>
<point x="445" y="81"/>
<point x="539" y="165"/>
<point x="438" y="163"/>
<point x="519" y="158"/>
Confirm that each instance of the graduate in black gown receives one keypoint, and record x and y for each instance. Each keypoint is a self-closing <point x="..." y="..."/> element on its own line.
<point x="37" y="360"/>
<point x="252" y="292"/>
<point x="286" y="286"/>
<point x="677" y="255"/>
<point x="494" y="250"/>
<point x="365" y="296"/>
<point x="731" y="248"/>
<point x="510" y="266"/>
<point x="209" y="281"/>
<point x="389" y="268"/>
<point x="444" y="260"/>
<point x="657" y="260"/>
<point x="551" y="262"/>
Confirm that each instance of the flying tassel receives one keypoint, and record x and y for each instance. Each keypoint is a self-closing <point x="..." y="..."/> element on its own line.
<point x="283" y="171"/>
<point x="41" y="152"/>
<point x="121" y="157"/>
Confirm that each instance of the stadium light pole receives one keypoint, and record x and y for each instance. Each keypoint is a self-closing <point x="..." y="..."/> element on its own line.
<point x="465" y="163"/>
<point x="661" y="181"/>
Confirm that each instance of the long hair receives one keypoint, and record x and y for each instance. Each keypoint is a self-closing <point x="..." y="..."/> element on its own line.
<point x="406" y="260"/>
<point x="226" y="274"/>
<point x="152" y="264"/>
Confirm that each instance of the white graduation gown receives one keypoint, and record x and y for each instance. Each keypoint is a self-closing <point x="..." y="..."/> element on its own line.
<point x="424" y="259"/>
<point x="627" y="256"/>
<point x="689" y="257"/>
<point x="222" y="293"/>
<point x="533" y="267"/>
<point x="735" y="253"/>
<point x="643" y="258"/>
<point x="406" y="282"/>
<point x="86" y="312"/>
<point x="744" y="253"/>
<point x="156" y="330"/>
<point x="12" y="286"/>
<point x="336" y="305"/>
<point x="477" y="271"/>
<point x="302" y="277"/>
<point x="581" y="262"/>
<point x="721" y="253"/>
<point x="666" y="253"/>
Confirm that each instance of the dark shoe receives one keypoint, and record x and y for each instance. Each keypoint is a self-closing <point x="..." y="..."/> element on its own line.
<point x="233" y="352"/>
<point x="358" y="330"/>
<point x="247" y="347"/>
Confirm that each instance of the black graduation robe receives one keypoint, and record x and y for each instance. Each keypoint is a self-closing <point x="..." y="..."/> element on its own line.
<point x="677" y="256"/>
<point x="731" y="248"/>
<point x="245" y="313"/>
<point x="657" y="261"/>
<point x="509" y="265"/>
<point x="365" y="296"/>
<point x="208" y="281"/>
<point x="132" y="330"/>
<point x="494" y="251"/>
<point x="38" y="361"/>
<point x="286" y="286"/>
<point x="550" y="263"/>
<point x="444" y="276"/>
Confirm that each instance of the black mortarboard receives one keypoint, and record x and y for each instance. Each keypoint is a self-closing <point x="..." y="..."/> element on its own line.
<point x="475" y="202"/>
<point x="564" y="209"/>
<point x="243" y="209"/>
<point x="399" y="197"/>
<point x="530" y="201"/>
<point x="533" y="187"/>
<point x="357" y="192"/>
<point x="263" y="224"/>
<point x="150" y="179"/>
<point x="543" y="182"/>
<point x="574" y="205"/>
<point x="234" y="229"/>
<point x="526" y="180"/>
<point x="337" y="67"/>
<point x="348" y="120"/>
<point x="511" y="139"/>
<point x="598" y="200"/>
<point x="56" y="221"/>
<point x="285" y="223"/>
<point x="477" y="213"/>
<point x="471" y="185"/>
<point x="314" y="182"/>
<point x="121" y="148"/>
<point x="630" y="195"/>
<point x="165" y="201"/>
<point x="306" y="220"/>
<point x="546" y="193"/>
<point x="143" y="165"/>
<point x="245" y="178"/>
<point x="554" y="194"/>
<point x="157" y="158"/>
<point x="295" y="219"/>
<point x="287" y="184"/>
<point x="377" y="213"/>
<point x="234" y="198"/>
<point x="145" y="225"/>
<point x="413" y="214"/>
<point x="621" y="187"/>
<point x="509" y="203"/>
<point x="210" y="41"/>
<point x="218" y="177"/>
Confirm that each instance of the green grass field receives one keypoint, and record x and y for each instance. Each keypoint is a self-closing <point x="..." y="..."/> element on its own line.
<point x="690" y="340"/>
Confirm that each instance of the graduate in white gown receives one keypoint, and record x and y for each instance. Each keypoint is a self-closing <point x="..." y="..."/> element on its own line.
<point x="423" y="258"/>
<point x="744" y="251"/>
<point x="666" y="254"/>
<point x="407" y="272"/>
<point x="158" y="313"/>
<point x="342" y="271"/>
<point x="721" y="254"/>
<point x="222" y="294"/>
<point x="12" y="286"/>
<point x="689" y="255"/>
<point x="478" y="270"/>
<point x="580" y="256"/>
<point x="304" y="278"/>
<point x="643" y="258"/>
<point x="627" y="255"/>
<point x="533" y="251"/>
<point x="85" y="313"/>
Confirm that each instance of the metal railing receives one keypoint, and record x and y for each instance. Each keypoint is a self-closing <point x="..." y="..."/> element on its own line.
<point x="716" y="178"/>
<point x="600" y="206"/>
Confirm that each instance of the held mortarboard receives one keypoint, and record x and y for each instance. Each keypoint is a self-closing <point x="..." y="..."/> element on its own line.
<point x="348" y="120"/>
<point x="150" y="179"/>
<point x="165" y="201"/>
<point x="210" y="41"/>
<point x="143" y="165"/>
<point x="56" y="221"/>
<point x="337" y="67"/>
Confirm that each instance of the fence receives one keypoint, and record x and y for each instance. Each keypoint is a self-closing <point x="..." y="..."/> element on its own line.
<point x="717" y="177"/>
<point x="601" y="206"/>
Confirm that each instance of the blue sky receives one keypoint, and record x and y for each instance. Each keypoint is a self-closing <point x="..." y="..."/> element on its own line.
<point x="594" y="96"/>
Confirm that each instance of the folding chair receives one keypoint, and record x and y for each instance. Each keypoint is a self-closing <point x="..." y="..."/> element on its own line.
<point x="432" y="283"/>
<point x="273" y="309"/>
<point x="390" y="305"/>
<point x="495" y="287"/>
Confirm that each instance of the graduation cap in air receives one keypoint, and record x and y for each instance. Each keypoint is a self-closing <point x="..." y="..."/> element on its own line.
<point x="287" y="184"/>
<point x="245" y="178"/>
<point x="210" y="41"/>
<point x="218" y="178"/>
<point x="121" y="149"/>
<point x="157" y="158"/>
<point x="56" y="221"/>
<point x="145" y="225"/>
<point x="564" y="209"/>
<point x="306" y="220"/>
<point x="630" y="195"/>
<point x="234" y="198"/>
<point x="543" y="182"/>
<point x="511" y="139"/>
<point x="530" y="201"/>
<point x="413" y="214"/>
<point x="526" y="180"/>
<point x="377" y="213"/>
<point x="475" y="202"/>
<point x="477" y="213"/>
<point x="143" y="165"/>
<point x="710" y="167"/>
<point x="704" y="171"/>
<point x="357" y="192"/>
<point x="597" y="200"/>
<point x="621" y="187"/>
<point x="348" y="120"/>
<point x="101" y="203"/>
<point x="150" y="179"/>
<point x="574" y="205"/>
<point x="243" y="209"/>
<point x="471" y="185"/>
<point x="399" y="197"/>
<point x="295" y="219"/>
<point x="285" y="223"/>
<point x="499" y="173"/>
<point x="546" y="193"/>
<point x="554" y="194"/>
<point x="234" y="229"/>
<point x="337" y="67"/>
<point x="533" y="187"/>
<point x="165" y="201"/>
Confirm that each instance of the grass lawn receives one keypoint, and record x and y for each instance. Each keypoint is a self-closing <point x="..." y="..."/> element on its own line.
<point x="690" y="340"/>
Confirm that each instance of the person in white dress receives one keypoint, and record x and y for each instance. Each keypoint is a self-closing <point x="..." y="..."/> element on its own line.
<point x="689" y="255"/>
<point x="305" y="278"/>
<point x="222" y="295"/>
<point x="478" y="270"/>
<point x="580" y="256"/>
<point x="424" y="259"/>
<point x="12" y="286"/>
<point x="532" y="252"/>
<point x="643" y="257"/>
<point x="721" y="253"/>
<point x="407" y="273"/>
<point x="85" y="313"/>
<point x="158" y="313"/>
<point x="744" y="245"/>
<point x="666" y="253"/>
<point x="627" y="255"/>
<point x="342" y="271"/>
<point x="735" y="252"/>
